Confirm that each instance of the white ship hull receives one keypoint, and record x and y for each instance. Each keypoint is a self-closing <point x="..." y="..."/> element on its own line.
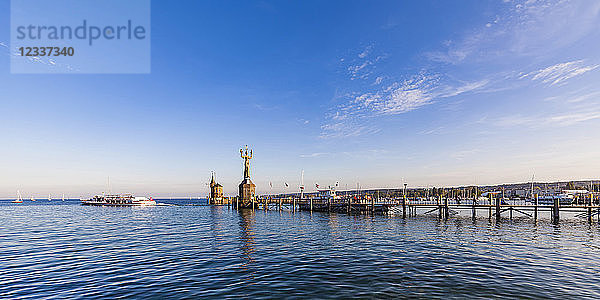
<point x="118" y="200"/>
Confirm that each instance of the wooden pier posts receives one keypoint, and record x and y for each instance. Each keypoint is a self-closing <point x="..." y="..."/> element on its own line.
<point x="490" y="207"/>
<point x="586" y="207"/>
<point x="446" y="209"/>
<point x="535" y="211"/>
<point x="349" y="206"/>
<point x="589" y="209"/>
<point x="590" y="204"/>
<point x="439" y="206"/>
<point x="372" y="205"/>
<point x="497" y="209"/>
<point x="404" y="207"/>
<point x="555" y="211"/>
<point x="597" y="210"/>
<point x="473" y="210"/>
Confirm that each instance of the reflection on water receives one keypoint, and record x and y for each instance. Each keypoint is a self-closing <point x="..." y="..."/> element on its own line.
<point x="70" y="251"/>
<point x="246" y="221"/>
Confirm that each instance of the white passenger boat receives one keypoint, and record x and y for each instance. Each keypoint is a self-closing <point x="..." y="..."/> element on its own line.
<point x="118" y="200"/>
<point x="325" y="195"/>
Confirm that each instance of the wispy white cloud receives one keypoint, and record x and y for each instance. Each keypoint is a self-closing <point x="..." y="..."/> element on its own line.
<point x="560" y="73"/>
<point x="303" y="121"/>
<point x="573" y="118"/>
<point x="580" y="96"/>
<point x="584" y="97"/>
<point x="362" y="65"/>
<point x="316" y="154"/>
<point x="524" y="28"/>
<point x="515" y="120"/>
<point x="263" y="107"/>
<point x="393" y="99"/>
<point x="355" y="154"/>
<point x="349" y="119"/>
<point x="461" y="155"/>
<point x="451" y="91"/>
<point x="363" y="69"/>
<point x="536" y="28"/>
<point x="455" y="52"/>
<point x="365" y="52"/>
<point x="367" y="154"/>
<point x="571" y="107"/>
<point x="343" y="129"/>
<point x="436" y="130"/>
<point x="399" y="97"/>
<point x="542" y="121"/>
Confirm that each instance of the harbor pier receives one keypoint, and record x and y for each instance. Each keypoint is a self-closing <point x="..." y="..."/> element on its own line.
<point x="443" y="207"/>
<point x="500" y="201"/>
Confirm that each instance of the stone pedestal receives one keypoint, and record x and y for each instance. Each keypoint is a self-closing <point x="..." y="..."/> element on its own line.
<point x="246" y="192"/>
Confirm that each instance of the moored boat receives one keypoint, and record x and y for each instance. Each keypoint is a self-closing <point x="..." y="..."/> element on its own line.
<point x="563" y="199"/>
<point x="19" y="198"/>
<point x="118" y="200"/>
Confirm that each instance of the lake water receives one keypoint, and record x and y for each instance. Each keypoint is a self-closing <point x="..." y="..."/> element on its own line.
<point x="63" y="250"/>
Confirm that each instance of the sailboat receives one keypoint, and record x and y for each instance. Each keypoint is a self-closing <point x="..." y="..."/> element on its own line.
<point x="32" y="199"/>
<point x="63" y="198"/>
<point x="49" y="198"/>
<point x="19" y="199"/>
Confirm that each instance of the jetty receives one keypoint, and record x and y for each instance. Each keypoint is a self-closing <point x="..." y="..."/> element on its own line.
<point x="443" y="207"/>
<point x="494" y="202"/>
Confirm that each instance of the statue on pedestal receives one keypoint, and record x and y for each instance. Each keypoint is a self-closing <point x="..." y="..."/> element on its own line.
<point x="246" y="188"/>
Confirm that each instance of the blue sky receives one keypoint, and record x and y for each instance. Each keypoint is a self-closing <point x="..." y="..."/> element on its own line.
<point x="428" y="92"/>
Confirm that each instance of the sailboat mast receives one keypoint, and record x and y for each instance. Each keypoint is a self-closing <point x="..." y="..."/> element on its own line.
<point x="532" y="178"/>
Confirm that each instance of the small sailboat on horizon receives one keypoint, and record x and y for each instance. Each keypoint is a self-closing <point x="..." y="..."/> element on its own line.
<point x="32" y="199"/>
<point x="19" y="198"/>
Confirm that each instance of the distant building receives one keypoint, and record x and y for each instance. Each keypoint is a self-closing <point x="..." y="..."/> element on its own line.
<point x="216" y="190"/>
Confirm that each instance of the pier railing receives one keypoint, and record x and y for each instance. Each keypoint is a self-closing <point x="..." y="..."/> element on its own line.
<point x="443" y="206"/>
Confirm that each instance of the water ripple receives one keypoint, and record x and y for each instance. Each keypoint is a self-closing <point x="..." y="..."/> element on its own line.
<point x="70" y="251"/>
